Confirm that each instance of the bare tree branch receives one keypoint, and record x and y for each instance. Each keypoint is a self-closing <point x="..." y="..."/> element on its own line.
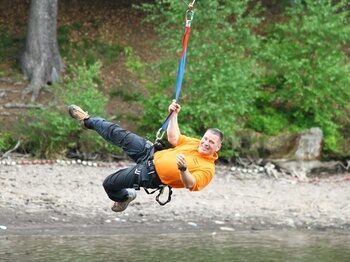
<point x="11" y="150"/>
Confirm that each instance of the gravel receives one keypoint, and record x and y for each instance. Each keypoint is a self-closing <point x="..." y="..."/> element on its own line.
<point x="60" y="197"/>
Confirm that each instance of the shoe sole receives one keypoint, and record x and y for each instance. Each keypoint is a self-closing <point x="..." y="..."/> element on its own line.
<point x="127" y="202"/>
<point x="71" y="110"/>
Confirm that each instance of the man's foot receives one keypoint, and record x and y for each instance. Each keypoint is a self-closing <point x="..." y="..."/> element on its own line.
<point x="79" y="114"/>
<point x="121" y="206"/>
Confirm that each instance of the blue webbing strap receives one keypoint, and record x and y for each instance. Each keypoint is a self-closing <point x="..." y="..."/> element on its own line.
<point x="180" y="71"/>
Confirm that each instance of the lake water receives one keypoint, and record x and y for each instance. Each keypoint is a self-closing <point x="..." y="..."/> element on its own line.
<point x="219" y="246"/>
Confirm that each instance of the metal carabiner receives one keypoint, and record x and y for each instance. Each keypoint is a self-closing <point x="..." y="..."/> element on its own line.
<point x="189" y="17"/>
<point x="189" y="14"/>
<point x="160" y="134"/>
<point x="189" y="5"/>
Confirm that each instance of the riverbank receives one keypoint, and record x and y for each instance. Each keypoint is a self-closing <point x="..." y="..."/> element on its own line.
<point x="37" y="199"/>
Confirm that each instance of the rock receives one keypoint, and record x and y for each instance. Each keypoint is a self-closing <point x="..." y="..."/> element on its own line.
<point x="227" y="229"/>
<point x="257" y="145"/>
<point x="192" y="224"/>
<point x="309" y="145"/>
<point x="302" y="169"/>
<point x="289" y="222"/>
<point x="270" y="170"/>
<point x="293" y="146"/>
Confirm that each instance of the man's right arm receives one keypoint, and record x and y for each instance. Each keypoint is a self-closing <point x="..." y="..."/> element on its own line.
<point x="173" y="131"/>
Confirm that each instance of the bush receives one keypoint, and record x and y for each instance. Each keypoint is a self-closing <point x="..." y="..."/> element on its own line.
<point x="6" y="142"/>
<point x="221" y="72"/>
<point x="91" y="50"/>
<point x="5" y="44"/>
<point x="10" y="46"/>
<point x="51" y="132"/>
<point x="307" y="70"/>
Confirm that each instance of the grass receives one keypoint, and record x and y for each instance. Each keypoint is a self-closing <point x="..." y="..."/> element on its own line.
<point x="87" y="49"/>
<point x="10" y="48"/>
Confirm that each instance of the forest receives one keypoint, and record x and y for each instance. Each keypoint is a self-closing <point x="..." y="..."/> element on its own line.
<point x="256" y="69"/>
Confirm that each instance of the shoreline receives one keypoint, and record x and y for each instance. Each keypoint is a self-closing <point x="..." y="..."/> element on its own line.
<point x="70" y="200"/>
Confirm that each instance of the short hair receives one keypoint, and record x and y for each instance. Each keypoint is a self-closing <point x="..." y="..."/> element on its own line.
<point x="217" y="132"/>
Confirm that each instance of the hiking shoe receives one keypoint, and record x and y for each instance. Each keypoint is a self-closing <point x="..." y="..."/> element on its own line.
<point x="79" y="114"/>
<point x="121" y="206"/>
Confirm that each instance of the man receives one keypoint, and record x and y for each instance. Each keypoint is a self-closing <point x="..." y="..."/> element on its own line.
<point x="189" y="164"/>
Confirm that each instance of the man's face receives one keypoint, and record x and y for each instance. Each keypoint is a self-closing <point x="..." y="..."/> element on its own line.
<point x="209" y="144"/>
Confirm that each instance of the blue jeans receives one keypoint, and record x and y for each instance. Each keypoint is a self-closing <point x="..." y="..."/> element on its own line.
<point x="136" y="147"/>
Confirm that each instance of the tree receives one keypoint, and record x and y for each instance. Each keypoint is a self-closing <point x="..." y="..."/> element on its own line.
<point x="221" y="73"/>
<point x="307" y="71"/>
<point x="41" y="61"/>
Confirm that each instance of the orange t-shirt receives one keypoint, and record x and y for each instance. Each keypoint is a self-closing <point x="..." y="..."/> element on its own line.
<point x="202" y="167"/>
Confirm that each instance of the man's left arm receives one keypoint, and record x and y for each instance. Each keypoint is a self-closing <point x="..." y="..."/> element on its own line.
<point x="186" y="177"/>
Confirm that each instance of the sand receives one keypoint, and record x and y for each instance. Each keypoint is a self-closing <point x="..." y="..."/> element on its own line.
<point x="69" y="199"/>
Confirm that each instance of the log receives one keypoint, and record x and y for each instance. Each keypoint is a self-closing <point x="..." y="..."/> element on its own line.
<point x="25" y="106"/>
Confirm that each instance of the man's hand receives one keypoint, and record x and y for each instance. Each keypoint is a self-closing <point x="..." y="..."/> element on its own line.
<point x="181" y="162"/>
<point x="175" y="107"/>
<point x="186" y="177"/>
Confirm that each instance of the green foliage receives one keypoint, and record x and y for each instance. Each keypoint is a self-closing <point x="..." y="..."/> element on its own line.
<point x="90" y="50"/>
<point x="5" y="44"/>
<point x="268" y="121"/>
<point x="47" y="132"/>
<point x="307" y="71"/>
<point x="293" y="76"/>
<point x="221" y="71"/>
<point x="126" y="95"/>
<point x="134" y="63"/>
<point x="82" y="86"/>
<point x="63" y="37"/>
<point x="50" y="131"/>
<point x="96" y="50"/>
<point x="6" y="142"/>
<point x="10" y="48"/>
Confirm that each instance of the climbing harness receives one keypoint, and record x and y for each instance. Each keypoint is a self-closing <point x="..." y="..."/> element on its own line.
<point x="150" y="174"/>
<point x="158" y="144"/>
<point x="181" y="68"/>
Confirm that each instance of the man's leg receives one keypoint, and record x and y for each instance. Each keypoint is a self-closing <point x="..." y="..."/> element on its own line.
<point x="118" y="188"/>
<point x="120" y="185"/>
<point x="133" y="145"/>
<point x="115" y="184"/>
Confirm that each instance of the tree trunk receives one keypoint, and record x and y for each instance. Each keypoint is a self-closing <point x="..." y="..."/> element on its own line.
<point x="41" y="61"/>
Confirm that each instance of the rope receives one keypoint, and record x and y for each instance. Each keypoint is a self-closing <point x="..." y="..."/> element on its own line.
<point x="181" y="68"/>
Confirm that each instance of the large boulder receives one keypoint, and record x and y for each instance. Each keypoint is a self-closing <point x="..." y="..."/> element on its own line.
<point x="292" y="146"/>
<point x="309" y="145"/>
<point x="296" y="153"/>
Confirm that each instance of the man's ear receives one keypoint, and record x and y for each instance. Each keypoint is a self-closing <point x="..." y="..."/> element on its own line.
<point x="218" y="147"/>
